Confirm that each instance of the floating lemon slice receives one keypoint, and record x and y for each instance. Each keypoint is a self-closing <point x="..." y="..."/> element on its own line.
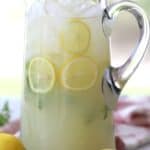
<point x="41" y="75"/>
<point x="79" y="74"/>
<point x="76" y="37"/>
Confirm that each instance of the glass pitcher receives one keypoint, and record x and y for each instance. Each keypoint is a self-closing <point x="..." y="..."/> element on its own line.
<point x="70" y="87"/>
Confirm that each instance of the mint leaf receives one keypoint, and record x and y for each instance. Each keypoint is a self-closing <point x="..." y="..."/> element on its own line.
<point x="4" y="114"/>
<point x="105" y="112"/>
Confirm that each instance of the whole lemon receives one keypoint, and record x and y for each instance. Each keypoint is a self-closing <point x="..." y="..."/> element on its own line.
<point x="10" y="142"/>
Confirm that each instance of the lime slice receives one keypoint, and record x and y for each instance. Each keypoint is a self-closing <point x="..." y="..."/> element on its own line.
<point x="41" y="75"/>
<point x="79" y="74"/>
<point x="75" y="37"/>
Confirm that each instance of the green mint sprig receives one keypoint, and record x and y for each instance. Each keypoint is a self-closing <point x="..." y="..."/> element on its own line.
<point x="4" y="114"/>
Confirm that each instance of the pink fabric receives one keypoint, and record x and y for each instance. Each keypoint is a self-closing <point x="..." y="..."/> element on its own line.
<point x="132" y="121"/>
<point x="12" y="127"/>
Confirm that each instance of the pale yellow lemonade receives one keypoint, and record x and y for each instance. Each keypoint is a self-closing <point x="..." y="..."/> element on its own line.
<point x="63" y="107"/>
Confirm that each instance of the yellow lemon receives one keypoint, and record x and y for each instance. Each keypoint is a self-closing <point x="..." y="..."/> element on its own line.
<point x="79" y="74"/>
<point x="10" y="142"/>
<point x="41" y="75"/>
<point x="75" y="37"/>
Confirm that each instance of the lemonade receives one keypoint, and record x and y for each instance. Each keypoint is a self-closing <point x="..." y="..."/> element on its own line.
<point x="66" y="55"/>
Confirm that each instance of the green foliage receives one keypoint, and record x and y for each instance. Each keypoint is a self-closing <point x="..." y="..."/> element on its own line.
<point x="4" y="114"/>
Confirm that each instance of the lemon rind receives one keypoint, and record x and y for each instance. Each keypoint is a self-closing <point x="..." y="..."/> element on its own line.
<point x="50" y="66"/>
<point x="78" y="89"/>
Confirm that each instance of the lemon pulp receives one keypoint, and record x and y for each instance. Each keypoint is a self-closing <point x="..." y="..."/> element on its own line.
<point x="79" y="74"/>
<point x="41" y="75"/>
<point x="75" y="37"/>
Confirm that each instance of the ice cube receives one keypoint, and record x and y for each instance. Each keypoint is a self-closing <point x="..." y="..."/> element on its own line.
<point x="69" y="8"/>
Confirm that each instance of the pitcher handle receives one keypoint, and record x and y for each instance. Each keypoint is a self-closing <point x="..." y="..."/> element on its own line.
<point x="115" y="78"/>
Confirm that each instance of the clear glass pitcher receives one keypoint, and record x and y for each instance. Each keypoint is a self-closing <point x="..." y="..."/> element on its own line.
<point x="70" y="87"/>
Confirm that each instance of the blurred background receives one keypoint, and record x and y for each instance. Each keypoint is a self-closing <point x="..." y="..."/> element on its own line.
<point x="11" y="46"/>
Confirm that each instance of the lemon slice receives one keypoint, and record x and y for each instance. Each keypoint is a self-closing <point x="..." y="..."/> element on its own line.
<point x="79" y="74"/>
<point x="76" y="37"/>
<point x="41" y="75"/>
